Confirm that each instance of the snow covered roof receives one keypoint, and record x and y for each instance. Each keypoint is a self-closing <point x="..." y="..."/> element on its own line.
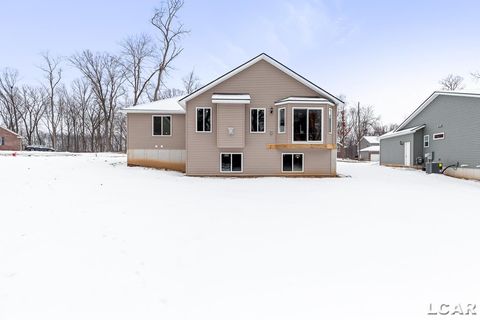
<point x="273" y="62"/>
<point x="310" y="100"/>
<point x="169" y="105"/>
<point x="371" y="149"/>
<point x="401" y="132"/>
<point x="432" y="97"/>
<point x="231" y="98"/>
<point x="372" y="139"/>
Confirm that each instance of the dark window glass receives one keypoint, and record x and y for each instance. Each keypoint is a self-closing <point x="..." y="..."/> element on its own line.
<point x="315" y="125"/>
<point x="287" y="162"/>
<point x="236" y="162"/>
<point x="297" y="162"/>
<point x="261" y="120"/>
<point x="254" y="120"/>
<point x="300" y="124"/>
<point x="281" y="120"/>
<point x="257" y="119"/>
<point x="226" y="162"/>
<point x="207" y="117"/>
<point x="166" y="128"/>
<point x="199" y="119"/>
<point x="157" y="126"/>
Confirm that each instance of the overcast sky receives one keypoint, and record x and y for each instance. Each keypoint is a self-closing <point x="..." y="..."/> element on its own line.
<point x="388" y="54"/>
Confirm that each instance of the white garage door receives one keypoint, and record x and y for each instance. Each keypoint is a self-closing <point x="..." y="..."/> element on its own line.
<point x="374" y="157"/>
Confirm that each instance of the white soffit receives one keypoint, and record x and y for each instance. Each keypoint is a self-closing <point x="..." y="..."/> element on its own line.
<point x="231" y="98"/>
<point x="402" y="132"/>
<point x="303" y="100"/>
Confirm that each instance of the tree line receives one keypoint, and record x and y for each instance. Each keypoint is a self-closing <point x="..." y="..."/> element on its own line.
<point x="84" y="114"/>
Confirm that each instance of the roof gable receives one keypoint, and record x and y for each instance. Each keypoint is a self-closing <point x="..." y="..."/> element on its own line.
<point x="429" y="100"/>
<point x="273" y="62"/>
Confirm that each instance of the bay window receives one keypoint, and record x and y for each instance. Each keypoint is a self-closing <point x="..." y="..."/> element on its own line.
<point x="307" y="125"/>
<point x="281" y="120"/>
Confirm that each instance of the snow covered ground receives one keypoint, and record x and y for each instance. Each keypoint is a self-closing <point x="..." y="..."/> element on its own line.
<point x="85" y="237"/>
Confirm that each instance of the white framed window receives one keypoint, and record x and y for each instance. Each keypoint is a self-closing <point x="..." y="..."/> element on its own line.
<point x="307" y="125"/>
<point x="231" y="162"/>
<point x="257" y="120"/>
<point x="330" y="120"/>
<point x="203" y="119"/>
<point x="2" y="141"/>
<point x="292" y="162"/>
<point x="439" y="136"/>
<point x="281" y="120"/>
<point x="161" y="125"/>
<point x="426" y="141"/>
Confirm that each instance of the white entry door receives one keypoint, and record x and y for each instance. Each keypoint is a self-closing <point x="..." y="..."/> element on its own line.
<point x="406" y="156"/>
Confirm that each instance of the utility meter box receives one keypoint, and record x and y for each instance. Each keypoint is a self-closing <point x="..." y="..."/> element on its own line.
<point x="434" y="167"/>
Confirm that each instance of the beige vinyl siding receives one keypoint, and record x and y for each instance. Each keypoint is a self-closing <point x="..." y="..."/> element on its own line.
<point x="265" y="84"/>
<point x="140" y="135"/>
<point x="145" y="149"/>
<point x="230" y="116"/>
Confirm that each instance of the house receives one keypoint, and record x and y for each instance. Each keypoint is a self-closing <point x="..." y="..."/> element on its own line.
<point x="10" y="140"/>
<point x="259" y="119"/>
<point x="369" y="148"/>
<point x="445" y="128"/>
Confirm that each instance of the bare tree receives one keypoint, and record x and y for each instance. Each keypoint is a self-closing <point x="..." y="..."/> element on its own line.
<point x="34" y="103"/>
<point x="364" y="121"/>
<point x="191" y="82"/>
<point x="137" y="54"/>
<point x="166" y="20"/>
<point x="452" y="83"/>
<point x="10" y="99"/>
<point x="53" y="74"/>
<point x="106" y="76"/>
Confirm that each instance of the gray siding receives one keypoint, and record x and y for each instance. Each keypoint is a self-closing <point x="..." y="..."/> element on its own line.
<point x="459" y="118"/>
<point x="392" y="151"/>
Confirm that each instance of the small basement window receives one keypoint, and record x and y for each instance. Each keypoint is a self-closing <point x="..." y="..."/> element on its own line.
<point x="231" y="162"/>
<point x="426" y="141"/>
<point x="292" y="162"/>
<point x="439" y="136"/>
<point x="162" y="125"/>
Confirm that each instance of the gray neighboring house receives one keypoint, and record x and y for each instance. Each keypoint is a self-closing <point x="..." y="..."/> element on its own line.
<point x="369" y="148"/>
<point x="444" y="128"/>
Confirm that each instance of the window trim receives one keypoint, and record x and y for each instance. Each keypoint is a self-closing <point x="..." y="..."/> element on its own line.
<point x="292" y="153"/>
<point x="278" y="120"/>
<point x="230" y="153"/>
<point x="426" y="141"/>
<point x="322" y="126"/>
<point x="196" y="119"/>
<point x="438" y="133"/>
<point x="161" y="129"/>
<point x="264" y="120"/>
<point x="330" y="120"/>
